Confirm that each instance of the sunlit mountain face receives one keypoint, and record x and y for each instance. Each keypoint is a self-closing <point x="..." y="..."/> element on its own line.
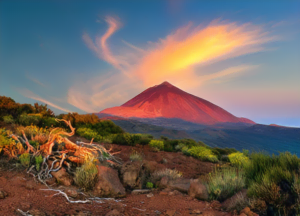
<point x="168" y="101"/>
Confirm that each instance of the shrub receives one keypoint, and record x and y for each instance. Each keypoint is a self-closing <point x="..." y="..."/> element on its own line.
<point x="25" y="159"/>
<point x="35" y="144"/>
<point x="239" y="203"/>
<point x="149" y="185"/>
<point x="135" y="156"/>
<point x="88" y="134"/>
<point x="86" y="175"/>
<point x="157" y="144"/>
<point x="8" y="119"/>
<point x="10" y="147"/>
<point x="169" y="173"/>
<point x="30" y="119"/>
<point x="145" y="139"/>
<point x="38" y="161"/>
<point x="224" y="183"/>
<point x="31" y="131"/>
<point x="203" y="153"/>
<point x="238" y="159"/>
<point x="49" y="122"/>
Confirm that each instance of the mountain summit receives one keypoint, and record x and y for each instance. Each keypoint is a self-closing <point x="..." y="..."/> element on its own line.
<point x="168" y="101"/>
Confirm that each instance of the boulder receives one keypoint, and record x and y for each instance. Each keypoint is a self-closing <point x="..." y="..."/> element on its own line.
<point x="71" y="193"/>
<point x="163" y="182"/>
<point x="130" y="174"/>
<point x="108" y="183"/>
<point x="198" y="190"/>
<point x="114" y="212"/>
<point x="142" y="191"/>
<point x="180" y="184"/>
<point x="231" y="202"/>
<point x="62" y="177"/>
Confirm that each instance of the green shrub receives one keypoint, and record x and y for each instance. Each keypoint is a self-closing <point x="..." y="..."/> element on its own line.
<point x="157" y="144"/>
<point x="238" y="159"/>
<point x="35" y="144"/>
<point x="86" y="175"/>
<point x="149" y="185"/>
<point x="25" y="159"/>
<point x="49" y="122"/>
<point x="30" y="119"/>
<point x="169" y="173"/>
<point x="224" y="183"/>
<point x="38" y="161"/>
<point x="145" y="139"/>
<point x="203" y="153"/>
<point x="8" y="119"/>
<point x="88" y="134"/>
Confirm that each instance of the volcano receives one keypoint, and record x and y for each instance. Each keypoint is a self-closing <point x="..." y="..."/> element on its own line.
<point x="168" y="101"/>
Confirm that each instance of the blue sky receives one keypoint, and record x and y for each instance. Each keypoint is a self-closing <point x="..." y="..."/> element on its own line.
<point x="86" y="56"/>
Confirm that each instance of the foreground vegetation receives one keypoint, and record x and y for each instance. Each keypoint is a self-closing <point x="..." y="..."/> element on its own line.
<point x="272" y="181"/>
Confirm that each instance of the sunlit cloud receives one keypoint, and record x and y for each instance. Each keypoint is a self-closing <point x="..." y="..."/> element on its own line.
<point x="178" y="58"/>
<point x="29" y="94"/>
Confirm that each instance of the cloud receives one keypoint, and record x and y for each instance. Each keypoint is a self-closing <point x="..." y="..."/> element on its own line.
<point x="100" y="46"/>
<point x="178" y="58"/>
<point x="36" y="81"/>
<point x="29" y="94"/>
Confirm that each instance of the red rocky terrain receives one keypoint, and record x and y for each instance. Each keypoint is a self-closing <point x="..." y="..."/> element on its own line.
<point x="18" y="190"/>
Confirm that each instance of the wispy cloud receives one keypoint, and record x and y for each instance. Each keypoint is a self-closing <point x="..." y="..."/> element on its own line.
<point x="29" y="94"/>
<point x="36" y="81"/>
<point x="177" y="58"/>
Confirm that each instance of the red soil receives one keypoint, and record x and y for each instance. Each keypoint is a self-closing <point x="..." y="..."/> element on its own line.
<point x="20" y="196"/>
<point x="168" y="101"/>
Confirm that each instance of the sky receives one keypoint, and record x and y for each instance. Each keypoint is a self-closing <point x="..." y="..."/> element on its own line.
<point x="85" y="56"/>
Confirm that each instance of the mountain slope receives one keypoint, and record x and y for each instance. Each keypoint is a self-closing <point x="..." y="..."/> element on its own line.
<point x="168" y="101"/>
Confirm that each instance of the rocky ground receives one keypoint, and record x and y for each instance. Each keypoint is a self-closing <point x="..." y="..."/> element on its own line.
<point x="19" y="191"/>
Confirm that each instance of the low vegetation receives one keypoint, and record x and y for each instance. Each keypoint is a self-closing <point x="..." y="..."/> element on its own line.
<point x="86" y="175"/>
<point x="224" y="183"/>
<point x="169" y="173"/>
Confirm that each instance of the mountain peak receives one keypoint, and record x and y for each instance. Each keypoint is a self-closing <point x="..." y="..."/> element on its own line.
<point x="165" y="83"/>
<point x="167" y="101"/>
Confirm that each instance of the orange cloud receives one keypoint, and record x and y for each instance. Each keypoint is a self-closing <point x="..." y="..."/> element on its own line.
<point x="177" y="58"/>
<point x="179" y="53"/>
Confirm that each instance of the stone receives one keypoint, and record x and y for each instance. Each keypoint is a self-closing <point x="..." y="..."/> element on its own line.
<point x="114" y="212"/>
<point x="25" y="206"/>
<point x="36" y="212"/>
<point x="228" y="203"/>
<point x="150" y="195"/>
<point x="50" y="181"/>
<point x="246" y="210"/>
<point x="216" y="205"/>
<point x="62" y="177"/>
<point x="170" y="212"/>
<point x="130" y="173"/>
<point x="180" y="184"/>
<point x="164" y="182"/>
<point x="163" y="193"/>
<point x="30" y="185"/>
<point x="196" y="211"/>
<point x="108" y="183"/>
<point x="198" y="190"/>
<point x="3" y="194"/>
<point x="140" y="191"/>
<point x="72" y="193"/>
